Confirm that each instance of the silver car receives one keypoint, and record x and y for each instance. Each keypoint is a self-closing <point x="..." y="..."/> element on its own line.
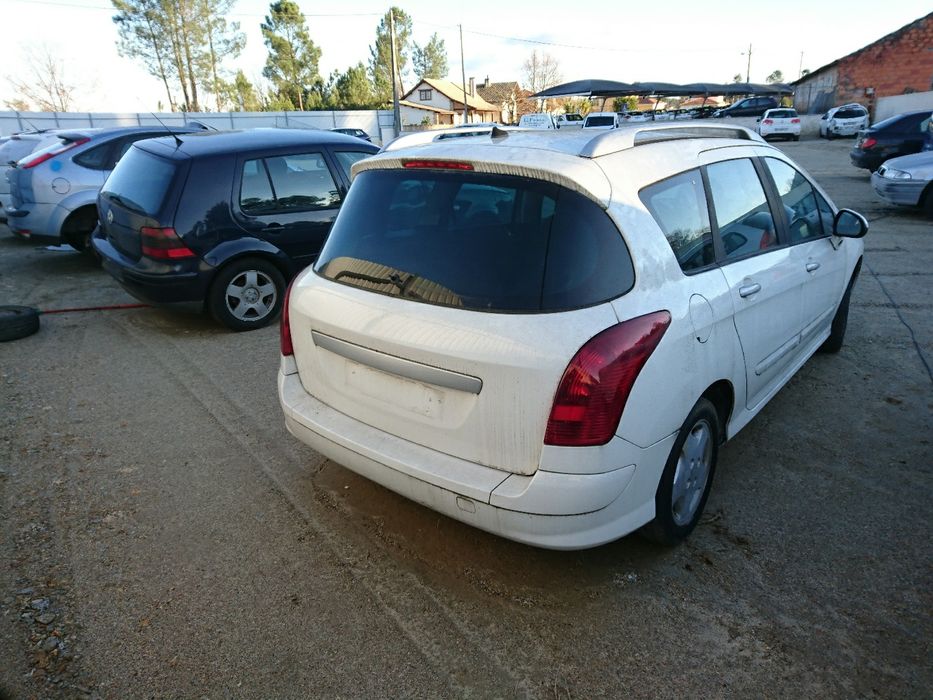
<point x="53" y="191"/>
<point x="14" y="147"/>
<point x="907" y="180"/>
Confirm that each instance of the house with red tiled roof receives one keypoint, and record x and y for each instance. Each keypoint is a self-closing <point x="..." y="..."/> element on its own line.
<point x="433" y="101"/>
<point x="509" y="97"/>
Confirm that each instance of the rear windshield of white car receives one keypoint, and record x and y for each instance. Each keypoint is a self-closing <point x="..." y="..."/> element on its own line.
<point x="782" y="113"/>
<point x="476" y="241"/>
<point x="140" y="181"/>
<point x="849" y="114"/>
<point x="599" y="121"/>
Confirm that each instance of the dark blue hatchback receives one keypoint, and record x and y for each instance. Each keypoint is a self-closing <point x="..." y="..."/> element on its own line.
<point x="223" y="219"/>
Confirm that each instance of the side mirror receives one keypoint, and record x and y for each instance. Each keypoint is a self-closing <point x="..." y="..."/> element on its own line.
<point x="849" y="224"/>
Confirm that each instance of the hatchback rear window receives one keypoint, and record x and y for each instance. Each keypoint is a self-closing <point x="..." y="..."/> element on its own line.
<point x="599" y="121"/>
<point x="140" y="181"/>
<point x="782" y="113"/>
<point x="849" y="114"/>
<point x="477" y="241"/>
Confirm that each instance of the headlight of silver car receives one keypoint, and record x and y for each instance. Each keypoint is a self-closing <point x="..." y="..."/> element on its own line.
<point x="893" y="174"/>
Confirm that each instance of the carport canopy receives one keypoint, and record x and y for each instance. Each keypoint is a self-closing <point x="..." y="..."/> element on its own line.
<point x="613" y="88"/>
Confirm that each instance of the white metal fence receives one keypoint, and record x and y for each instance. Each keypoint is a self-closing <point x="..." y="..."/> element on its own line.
<point x="376" y="123"/>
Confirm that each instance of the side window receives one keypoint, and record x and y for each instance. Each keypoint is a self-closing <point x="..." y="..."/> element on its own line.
<point x="678" y="205"/>
<point x="302" y="182"/>
<point x="94" y="158"/>
<point x="826" y="213"/>
<point x="799" y="200"/>
<point x="255" y="191"/>
<point x="745" y="222"/>
<point x="346" y="159"/>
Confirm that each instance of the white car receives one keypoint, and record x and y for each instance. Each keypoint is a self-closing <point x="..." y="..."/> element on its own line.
<point x="569" y="121"/>
<point x="782" y="122"/>
<point x="602" y="120"/>
<point x="549" y="335"/>
<point x="846" y="120"/>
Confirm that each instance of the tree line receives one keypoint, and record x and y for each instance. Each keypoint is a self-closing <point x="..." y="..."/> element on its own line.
<point x="185" y="44"/>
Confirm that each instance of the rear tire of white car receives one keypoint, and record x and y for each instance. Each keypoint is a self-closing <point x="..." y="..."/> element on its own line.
<point x="687" y="478"/>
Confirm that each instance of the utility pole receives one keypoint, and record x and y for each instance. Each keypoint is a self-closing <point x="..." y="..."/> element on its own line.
<point x="463" y="77"/>
<point x="397" y="114"/>
<point x="800" y="67"/>
<point x="748" y="71"/>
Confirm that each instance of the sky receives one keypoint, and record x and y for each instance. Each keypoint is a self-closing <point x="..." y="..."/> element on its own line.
<point x="678" y="41"/>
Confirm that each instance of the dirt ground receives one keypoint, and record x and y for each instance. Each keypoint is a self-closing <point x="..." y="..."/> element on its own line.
<point x="163" y="536"/>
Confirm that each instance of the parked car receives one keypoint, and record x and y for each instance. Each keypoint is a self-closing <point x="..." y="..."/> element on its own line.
<point x="358" y="133"/>
<point x="549" y="339"/>
<point x="846" y="120"/>
<point x="749" y="107"/>
<point x="569" y="121"/>
<point x="537" y="120"/>
<point x="907" y="181"/>
<point x="11" y="150"/>
<point x="782" y="122"/>
<point x="222" y="220"/>
<point x="602" y="120"/>
<point x="53" y="191"/>
<point x="899" y="135"/>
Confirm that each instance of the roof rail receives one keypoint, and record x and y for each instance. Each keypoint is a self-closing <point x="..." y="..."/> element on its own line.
<point x="626" y="137"/>
<point x="419" y="138"/>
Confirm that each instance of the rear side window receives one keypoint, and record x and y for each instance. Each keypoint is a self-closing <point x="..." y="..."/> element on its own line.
<point x="678" y="205"/>
<point x="476" y="241"/>
<point x="296" y="182"/>
<point x="745" y="222"/>
<point x="346" y="159"/>
<point x="94" y="158"/>
<point x="140" y="181"/>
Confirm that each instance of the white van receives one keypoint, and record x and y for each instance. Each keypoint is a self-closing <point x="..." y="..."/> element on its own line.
<point x="539" y="120"/>
<point x="602" y="120"/>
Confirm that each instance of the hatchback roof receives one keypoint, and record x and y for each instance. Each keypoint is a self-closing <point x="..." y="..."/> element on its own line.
<point x="216" y="142"/>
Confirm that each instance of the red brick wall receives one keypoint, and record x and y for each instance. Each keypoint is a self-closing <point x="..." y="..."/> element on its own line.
<point x="904" y="62"/>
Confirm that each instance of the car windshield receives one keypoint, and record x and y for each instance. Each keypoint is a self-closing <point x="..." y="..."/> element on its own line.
<point x="600" y="121"/>
<point x="140" y="181"/>
<point x="477" y="241"/>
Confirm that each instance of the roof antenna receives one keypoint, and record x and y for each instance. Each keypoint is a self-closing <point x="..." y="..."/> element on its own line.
<point x="178" y="141"/>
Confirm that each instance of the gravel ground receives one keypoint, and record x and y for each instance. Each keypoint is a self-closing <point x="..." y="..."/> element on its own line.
<point x="165" y="536"/>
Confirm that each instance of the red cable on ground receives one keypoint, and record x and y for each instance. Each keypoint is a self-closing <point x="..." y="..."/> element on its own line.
<point x="114" y="307"/>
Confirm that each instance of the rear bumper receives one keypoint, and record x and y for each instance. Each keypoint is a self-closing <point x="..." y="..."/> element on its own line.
<point x="155" y="283"/>
<point x="548" y="509"/>
<point x="863" y="159"/>
<point x="32" y="221"/>
<point x="903" y="192"/>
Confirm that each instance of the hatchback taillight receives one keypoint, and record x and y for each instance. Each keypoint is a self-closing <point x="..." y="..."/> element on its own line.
<point x="868" y="143"/>
<point x="164" y="244"/>
<point x="768" y="121"/>
<point x="794" y="121"/>
<point x="597" y="382"/>
<point x="285" y="327"/>
<point x="48" y="153"/>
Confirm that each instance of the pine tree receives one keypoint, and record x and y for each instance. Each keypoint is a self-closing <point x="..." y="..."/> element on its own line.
<point x="292" y="64"/>
<point x="431" y="61"/>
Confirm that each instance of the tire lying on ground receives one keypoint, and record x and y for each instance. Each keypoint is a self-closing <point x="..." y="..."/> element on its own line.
<point x="18" y="322"/>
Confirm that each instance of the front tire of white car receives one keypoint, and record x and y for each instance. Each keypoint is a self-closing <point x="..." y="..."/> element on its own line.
<point x="687" y="478"/>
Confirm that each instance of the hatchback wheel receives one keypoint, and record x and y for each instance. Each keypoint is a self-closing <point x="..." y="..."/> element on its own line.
<point x="687" y="477"/>
<point x="247" y="294"/>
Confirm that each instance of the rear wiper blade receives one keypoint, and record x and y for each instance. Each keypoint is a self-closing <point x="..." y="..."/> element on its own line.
<point x="132" y="206"/>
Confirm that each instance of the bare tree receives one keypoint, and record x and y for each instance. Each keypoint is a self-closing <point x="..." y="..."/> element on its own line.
<point x="44" y="83"/>
<point x="541" y="71"/>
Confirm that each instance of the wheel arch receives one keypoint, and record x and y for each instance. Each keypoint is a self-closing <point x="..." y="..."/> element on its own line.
<point x="282" y="263"/>
<point x="722" y="395"/>
<point x="81" y="212"/>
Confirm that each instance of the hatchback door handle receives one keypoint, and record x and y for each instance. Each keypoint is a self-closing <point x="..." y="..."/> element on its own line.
<point x="813" y="266"/>
<point x="749" y="289"/>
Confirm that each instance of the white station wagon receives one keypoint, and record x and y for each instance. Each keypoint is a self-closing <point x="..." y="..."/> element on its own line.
<point x="548" y="335"/>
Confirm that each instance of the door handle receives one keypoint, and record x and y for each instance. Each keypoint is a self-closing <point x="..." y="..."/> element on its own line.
<point x="749" y="289"/>
<point x="813" y="266"/>
<point x="273" y="226"/>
